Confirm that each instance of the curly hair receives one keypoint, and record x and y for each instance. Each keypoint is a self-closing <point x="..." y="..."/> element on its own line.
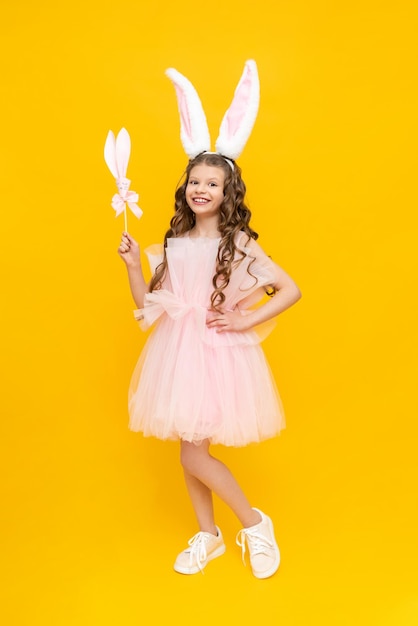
<point x="234" y="216"/>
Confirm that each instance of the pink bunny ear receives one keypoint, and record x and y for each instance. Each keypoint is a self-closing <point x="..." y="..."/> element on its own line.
<point x="239" y="119"/>
<point x="123" y="152"/>
<point x="110" y="153"/>
<point x="194" y="131"/>
<point x="117" y="152"/>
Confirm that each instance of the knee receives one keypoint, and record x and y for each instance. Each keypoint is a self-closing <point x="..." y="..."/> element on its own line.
<point x="192" y="456"/>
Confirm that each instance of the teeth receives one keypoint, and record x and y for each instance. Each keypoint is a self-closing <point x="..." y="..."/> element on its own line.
<point x="200" y="200"/>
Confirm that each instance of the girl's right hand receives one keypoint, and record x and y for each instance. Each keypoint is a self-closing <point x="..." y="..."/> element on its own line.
<point x="129" y="250"/>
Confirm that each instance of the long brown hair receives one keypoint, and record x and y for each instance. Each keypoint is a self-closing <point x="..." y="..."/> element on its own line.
<point x="234" y="216"/>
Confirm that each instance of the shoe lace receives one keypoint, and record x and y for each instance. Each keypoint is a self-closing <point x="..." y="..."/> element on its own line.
<point x="198" y="550"/>
<point x="257" y="543"/>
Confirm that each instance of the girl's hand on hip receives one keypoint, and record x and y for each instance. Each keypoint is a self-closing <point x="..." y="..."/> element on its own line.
<point x="228" y="321"/>
<point x="129" y="250"/>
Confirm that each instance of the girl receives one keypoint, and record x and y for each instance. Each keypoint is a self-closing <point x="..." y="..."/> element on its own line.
<point x="202" y="377"/>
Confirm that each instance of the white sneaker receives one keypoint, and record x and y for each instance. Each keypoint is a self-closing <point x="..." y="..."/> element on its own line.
<point x="262" y="546"/>
<point x="203" y="548"/>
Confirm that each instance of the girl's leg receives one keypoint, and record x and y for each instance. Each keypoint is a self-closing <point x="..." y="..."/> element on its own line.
<point x="204" y="474"/>
<point x="201" y="498"/>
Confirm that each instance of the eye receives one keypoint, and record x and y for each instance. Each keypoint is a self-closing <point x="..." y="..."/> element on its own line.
<point x="213" y="185"/>
<point x="192" y="182"/>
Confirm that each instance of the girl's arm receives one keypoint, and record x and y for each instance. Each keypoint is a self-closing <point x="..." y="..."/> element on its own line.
<point x="129" y="252"/>
<point x="287" y="293"/>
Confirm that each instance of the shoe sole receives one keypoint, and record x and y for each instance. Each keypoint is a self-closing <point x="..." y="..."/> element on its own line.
<point x="195" y="569"/>
<point x="273" y="569"/>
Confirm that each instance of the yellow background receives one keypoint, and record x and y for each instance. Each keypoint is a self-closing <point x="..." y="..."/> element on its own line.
<point x="93" y="515"/>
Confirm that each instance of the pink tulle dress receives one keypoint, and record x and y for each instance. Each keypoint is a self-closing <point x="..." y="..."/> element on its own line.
<point x="191" y="382"/>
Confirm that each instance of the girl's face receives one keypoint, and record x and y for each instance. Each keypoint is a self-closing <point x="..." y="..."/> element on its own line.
<point x="205" y="190"/>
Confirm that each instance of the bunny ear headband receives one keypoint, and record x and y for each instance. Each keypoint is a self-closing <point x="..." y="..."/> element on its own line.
<point x="116" y="153"/>
<point x="236" y="125"/>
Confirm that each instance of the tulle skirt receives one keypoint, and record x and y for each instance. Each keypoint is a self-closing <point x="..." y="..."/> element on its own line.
<point x="190" y="387"/>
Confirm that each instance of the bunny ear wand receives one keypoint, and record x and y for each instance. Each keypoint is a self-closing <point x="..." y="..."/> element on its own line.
<point x="116" y="153"/>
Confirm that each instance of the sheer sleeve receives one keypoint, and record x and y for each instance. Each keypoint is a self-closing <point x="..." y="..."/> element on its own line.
<point x="155" y="255"/>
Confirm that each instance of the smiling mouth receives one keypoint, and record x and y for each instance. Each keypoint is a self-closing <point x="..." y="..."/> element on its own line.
<point x="200" y="200"/>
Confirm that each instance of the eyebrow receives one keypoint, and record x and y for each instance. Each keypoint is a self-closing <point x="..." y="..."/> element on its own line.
<point x="209" y="180"/>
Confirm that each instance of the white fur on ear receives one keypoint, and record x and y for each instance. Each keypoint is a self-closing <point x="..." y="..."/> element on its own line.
<point x="239" y="119"/>
<point x="194" y="132"/>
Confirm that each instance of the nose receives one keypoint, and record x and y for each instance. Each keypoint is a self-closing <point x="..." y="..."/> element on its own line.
<point x="200" y="188"/>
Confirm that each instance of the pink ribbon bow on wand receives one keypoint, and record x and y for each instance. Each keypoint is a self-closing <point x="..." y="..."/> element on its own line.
<point x="116" y="153"/>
